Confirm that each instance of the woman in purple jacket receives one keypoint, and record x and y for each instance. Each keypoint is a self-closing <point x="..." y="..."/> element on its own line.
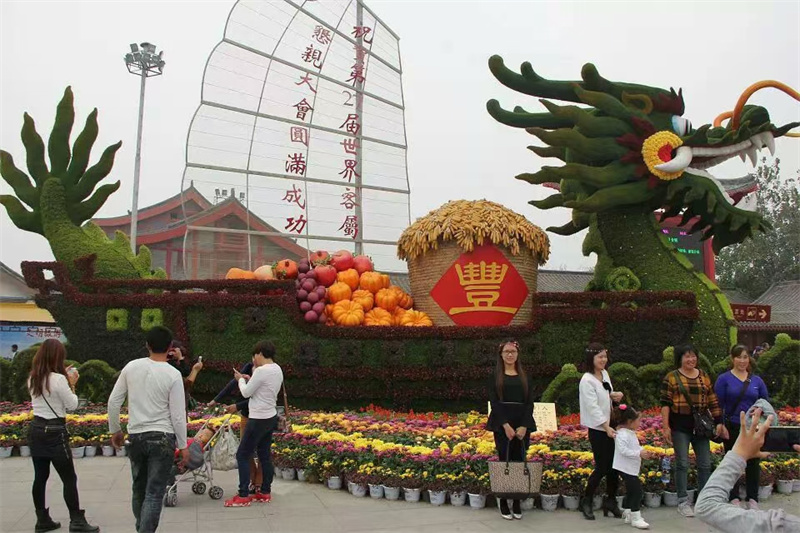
<point x="737" y="390"/>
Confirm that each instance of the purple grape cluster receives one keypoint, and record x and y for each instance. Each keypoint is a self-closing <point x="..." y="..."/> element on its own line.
<point x="310" y="294"/>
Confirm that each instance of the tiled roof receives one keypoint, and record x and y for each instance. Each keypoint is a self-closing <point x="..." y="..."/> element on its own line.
<point x="784" y="298"/>
<point x="735" y="296"/>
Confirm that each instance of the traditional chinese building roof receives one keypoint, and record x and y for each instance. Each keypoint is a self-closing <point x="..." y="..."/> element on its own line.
<point x="784" y="298"/>
<point x="471" y="222"/>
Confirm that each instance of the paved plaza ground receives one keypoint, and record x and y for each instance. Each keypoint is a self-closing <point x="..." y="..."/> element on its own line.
<point x="297" y="507"/>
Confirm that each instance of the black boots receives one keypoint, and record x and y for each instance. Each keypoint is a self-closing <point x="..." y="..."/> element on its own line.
<point x="610" y="506"/>
<point x="44" y="522"/>
<point x="78" y="523"/>
<point x="586" y="507"/>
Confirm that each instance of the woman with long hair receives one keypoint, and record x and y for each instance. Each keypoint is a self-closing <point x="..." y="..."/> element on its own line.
<point x="180" y="357"/>
<point x="596" y="396"/>
<point x="511" y="419"/>
<point x="52" y="389"/>
<point x="737" y="390"/>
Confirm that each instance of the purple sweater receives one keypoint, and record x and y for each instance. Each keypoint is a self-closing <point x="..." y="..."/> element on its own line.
<point x="728" y="388"/>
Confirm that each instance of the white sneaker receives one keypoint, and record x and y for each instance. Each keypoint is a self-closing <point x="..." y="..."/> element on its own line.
<point x="685" y="508"/>
<point x="626" y="516"/>
<point x="637" y="521"/>
<point x="752" y="505"/>
<point x="736" y="502"/>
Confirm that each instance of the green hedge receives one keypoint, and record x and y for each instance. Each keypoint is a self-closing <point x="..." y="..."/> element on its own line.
<point x="780" y="370"/>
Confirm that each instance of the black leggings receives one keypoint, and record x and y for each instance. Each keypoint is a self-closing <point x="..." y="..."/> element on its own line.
<point x="633" y="492"/>
<point x="603" y="451"/>
<point x="66" y="471"/>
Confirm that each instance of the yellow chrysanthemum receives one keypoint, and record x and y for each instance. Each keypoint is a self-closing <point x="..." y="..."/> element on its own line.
<point x="657" y="149"/>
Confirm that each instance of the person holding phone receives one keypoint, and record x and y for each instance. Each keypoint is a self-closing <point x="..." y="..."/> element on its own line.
<point x="179" y="357"/>
<point x="737" y="390"/>
<point x="511" y="419"/>
<point x="712" y="504"/>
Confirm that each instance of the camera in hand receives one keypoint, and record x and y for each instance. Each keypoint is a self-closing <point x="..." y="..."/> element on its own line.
<point x="781" y="439"/>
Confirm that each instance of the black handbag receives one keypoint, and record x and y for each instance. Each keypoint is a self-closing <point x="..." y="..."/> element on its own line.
<point x="704" y="426"/>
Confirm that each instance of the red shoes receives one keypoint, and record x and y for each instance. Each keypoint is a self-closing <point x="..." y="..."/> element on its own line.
<point x="261" y="498"/>
<point x="239" y="501"/>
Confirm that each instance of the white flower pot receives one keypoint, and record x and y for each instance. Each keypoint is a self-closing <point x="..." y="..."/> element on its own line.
<point x="764" y="492"/>
<point x="287" y="474"/>
<point x="597" y="502"/>
<point x="411" y="495"/>
<point x="458" y="499"/>
<point x="90" y="451"/>
<point x="571" y="503"/>
<point x="477" y="501"/>
<point x="301" y="474"/>
<point x="122" y="452"/>
<point x="391" y="493"/>
<point x="784" y="486"/>
<point x="375" y="491"/>
<point x="620" y="499"/>
<point x="5" y="451"/>
<point x="334" y="483"/>
<point x="652" y="499"/>
<point x="526" y="504"/>
<point x="796" y="485"/>
<point x="108" y="451"/>
<point x="24" y="451"/>
<point x="670" y="499"/>
<point x="78" y="451"/>
<point x="550" y="502"/>
<point x="359" y="491"/>
<point x="438" y="497"/>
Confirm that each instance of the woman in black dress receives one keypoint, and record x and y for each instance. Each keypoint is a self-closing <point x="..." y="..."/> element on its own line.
<point x="511" y="419"/>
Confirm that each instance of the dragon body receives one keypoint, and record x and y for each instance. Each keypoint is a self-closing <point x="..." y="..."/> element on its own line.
<point x="626" y="153"/>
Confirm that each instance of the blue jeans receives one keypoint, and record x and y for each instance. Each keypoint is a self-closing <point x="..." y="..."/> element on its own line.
<point x="702" y="452"/>
<point x="257" y="438"/>
<point x="152" y="455"/>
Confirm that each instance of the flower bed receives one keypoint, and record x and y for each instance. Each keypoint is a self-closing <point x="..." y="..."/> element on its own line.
<point x="430" y="451"/>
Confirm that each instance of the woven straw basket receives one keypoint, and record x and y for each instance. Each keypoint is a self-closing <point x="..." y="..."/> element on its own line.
<point x="426" y="270"/>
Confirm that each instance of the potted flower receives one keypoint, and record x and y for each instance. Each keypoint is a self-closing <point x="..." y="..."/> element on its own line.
<point x="670" y="493"/>
<point x="78" y="445"/>
<point x="7" y="443"/>
<point x="391" y="483"/>
<point x="549" y="490"/>
<point x="411" y="482"/>
<point x="24" y="448"/>
<point x="573" y="485"/>
<point x="436" y="486"/>
<point x="767" y="480"/>
<point x="783" y="476"/>
<point x="653" y="487"/>
<point x="106" y="447"/>
<point x="357" y="482"/>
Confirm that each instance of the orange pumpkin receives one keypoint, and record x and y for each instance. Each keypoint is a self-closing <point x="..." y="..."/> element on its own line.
<point x="349" y="276"/>
<point x="397" y="315"/>
<point x="378" y="317"/>
<point x="365" y="298"/>
<point x="238" y="273"/>
<point x="387" y="299"/>
<point x="348" y="313"/>
<point x="404" y="299"/>
<point x="339" y="291"/>
<point x="371" y="281"/>
<point x="385" y="281"/>
<point x="415" y="318"/>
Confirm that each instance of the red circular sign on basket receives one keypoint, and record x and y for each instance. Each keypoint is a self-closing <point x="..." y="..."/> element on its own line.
<point x="481" y="288"/>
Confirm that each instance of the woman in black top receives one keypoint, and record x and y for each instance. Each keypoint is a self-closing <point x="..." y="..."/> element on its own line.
<point x="511" y="419"/>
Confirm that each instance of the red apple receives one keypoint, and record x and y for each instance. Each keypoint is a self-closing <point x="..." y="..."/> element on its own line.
<point x="342" y="260"/>
<point x="311" y="317"/>
<point x="326" y="275"/>
<point x="305" y="306"/>
<point x="319" y="257"/>
<point x="362" y="263"/>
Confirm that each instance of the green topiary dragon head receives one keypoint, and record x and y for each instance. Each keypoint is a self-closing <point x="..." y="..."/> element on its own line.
<point x="632" y="147"/>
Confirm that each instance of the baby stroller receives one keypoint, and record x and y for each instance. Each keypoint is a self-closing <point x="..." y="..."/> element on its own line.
<point x="198" y="469"/>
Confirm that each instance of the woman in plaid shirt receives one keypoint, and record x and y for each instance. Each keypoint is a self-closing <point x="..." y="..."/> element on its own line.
<point x="678" y="422"/>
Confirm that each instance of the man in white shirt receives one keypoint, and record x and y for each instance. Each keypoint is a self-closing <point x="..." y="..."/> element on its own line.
<point x="156" y="425"/>
<point x="262" y="390"/>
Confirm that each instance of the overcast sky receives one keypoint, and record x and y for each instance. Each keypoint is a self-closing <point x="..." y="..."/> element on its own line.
<point x="713" y="50"/>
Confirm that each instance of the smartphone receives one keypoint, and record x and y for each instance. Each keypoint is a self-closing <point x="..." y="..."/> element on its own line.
<point x="781" y="439"/>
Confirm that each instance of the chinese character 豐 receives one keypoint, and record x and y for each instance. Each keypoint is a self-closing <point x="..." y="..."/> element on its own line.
<point x="313" y="56"/>
<point x="303" y="107"/>
<point x="307" y="80"/>
<point x="296" y="225"/>
<point x="296" y="164"/>
<point x="295" y="196"/>
<point x="322" y="34"/>
<point x="361" y="32"/>
<point x="349" y="199"/>
<point x="350" y="226"/>
<point x="482" y="285"/>
<point x="349" y="170"/>
<point x="351" y="124"/>
<point x="299" y="134"/>
<point x="350" y="146"/>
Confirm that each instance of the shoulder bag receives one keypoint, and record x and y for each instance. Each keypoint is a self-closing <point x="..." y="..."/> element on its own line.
<point x="284" y="426"/>
<point x="704" y="426"/>
<point x="514" y="479"/>
<point x="739" y="399"/>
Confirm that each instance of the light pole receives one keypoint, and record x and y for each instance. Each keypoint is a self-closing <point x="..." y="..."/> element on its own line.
<point x="143" y="62"/>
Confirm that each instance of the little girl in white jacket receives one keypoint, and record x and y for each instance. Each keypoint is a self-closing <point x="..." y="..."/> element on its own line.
<point x="628" y="455"/>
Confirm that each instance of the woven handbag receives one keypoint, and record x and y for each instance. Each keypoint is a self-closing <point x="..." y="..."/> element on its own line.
<point x="514" y="479"/>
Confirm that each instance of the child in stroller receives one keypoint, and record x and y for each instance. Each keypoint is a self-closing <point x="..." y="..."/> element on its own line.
<point x="197" y="468"/>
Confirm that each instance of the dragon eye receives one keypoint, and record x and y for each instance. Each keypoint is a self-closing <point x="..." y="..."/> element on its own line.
<point x="680" y="125"/>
